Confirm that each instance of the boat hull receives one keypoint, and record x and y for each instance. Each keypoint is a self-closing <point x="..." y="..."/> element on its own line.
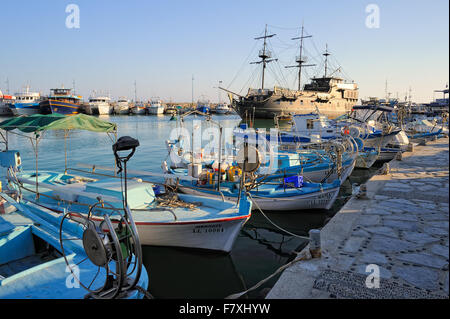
<point x="155" y="110"/>
<point x="138" y="110"/>
<point x="19" y="109"/>
<point x="366" y="160"/>
<point x="322" y="200"/>
<point x="55" y="106"/>
<point x="121" y="110"/>
<point x="218" y="235"/>
<point x="273" y="106"/>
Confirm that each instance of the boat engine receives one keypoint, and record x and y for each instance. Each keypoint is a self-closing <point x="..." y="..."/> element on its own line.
<point x="110" y="241"/>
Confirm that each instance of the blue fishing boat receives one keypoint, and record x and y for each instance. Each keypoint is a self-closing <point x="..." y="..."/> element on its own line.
<point x="43" y="255"/>
<point x="424" y="129"/>
<point x="167" y="219"/>
<point x="26" y="103"/>
<point x="61" y="101"/>
<point x="268" y="195"/>
<point x="204" y="106"/>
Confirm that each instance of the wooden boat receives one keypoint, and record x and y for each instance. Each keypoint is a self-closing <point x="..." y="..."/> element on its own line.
<point x="36" y="249"/>
<point x="189" y="221"/>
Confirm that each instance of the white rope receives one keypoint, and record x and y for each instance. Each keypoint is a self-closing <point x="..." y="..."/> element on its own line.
<point x="284" y="230"/>
<point x="304" y="256"/>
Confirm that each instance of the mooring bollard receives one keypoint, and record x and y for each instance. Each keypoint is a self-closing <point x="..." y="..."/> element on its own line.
<point x="362" y="193"/>
<point x="399" y="156"/>
<point x="314" y="243"/>
<point x="385" y="169"/>
<point x="410" y="147"/>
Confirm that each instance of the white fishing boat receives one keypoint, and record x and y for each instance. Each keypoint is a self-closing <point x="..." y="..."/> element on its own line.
<point x="138" y="109"/>
<point x="100" y="105"/>
<point x="122" y="106"/>
<point x="222" y="108"/>
<point x="155" y="107"/>
<point x="162" y="219"/>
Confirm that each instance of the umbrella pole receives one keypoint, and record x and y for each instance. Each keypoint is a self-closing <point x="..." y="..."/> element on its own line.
<point x="35" y="146"/>
<point x="65" y="151"/>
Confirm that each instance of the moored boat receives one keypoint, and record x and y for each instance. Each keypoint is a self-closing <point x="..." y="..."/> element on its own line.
<point x="26" y="103"/>
<point x="122" y="106"/>
<point x="138" y="108"/>
<point x="161" y="219"/>
<point x="5" y="103"/>
<point x="61" y="101"/>
<point x="155" y="107"/>
<point x="99" y="105"/>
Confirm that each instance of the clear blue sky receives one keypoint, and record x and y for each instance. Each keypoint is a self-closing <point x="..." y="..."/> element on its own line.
<point x="160" y="44"/>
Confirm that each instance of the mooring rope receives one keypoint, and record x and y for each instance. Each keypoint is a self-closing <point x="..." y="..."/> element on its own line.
<point x="305" y="256"/>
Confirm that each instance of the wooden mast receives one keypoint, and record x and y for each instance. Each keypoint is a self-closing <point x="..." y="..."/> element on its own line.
<point x="300" y="60"/>
<point x="265" y="55"/>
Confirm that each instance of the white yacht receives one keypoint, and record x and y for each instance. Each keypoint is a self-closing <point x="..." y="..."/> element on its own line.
<point x="122" y="106"/>
<point x="99" y="105"/>
<point x="156" y="107"/>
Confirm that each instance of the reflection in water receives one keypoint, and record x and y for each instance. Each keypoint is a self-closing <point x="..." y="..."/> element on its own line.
<point x="260" y="248"/>
<point x="190" y="273"/>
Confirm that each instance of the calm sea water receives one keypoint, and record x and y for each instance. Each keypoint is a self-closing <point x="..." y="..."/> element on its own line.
<point x="260" y="248"/>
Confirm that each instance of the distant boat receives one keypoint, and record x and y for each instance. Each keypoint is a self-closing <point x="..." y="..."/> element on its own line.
<point x="26" y="103"/>
<point x="138" y="108"/>
<point x="330" y="94"/>
<point x="61" y="101"/>
<point x="204" y="106"/>
<point x="122" y="106"/>
<point x="156" y="107"/>
<point x="171" y="110"/>
<point x="99" y="105"/>
<point x="222" y="108"/>
<point x="5" y="103"/>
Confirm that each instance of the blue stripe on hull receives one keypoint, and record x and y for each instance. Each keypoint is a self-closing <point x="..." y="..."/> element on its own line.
<point x="59" y="107"/>
<point x="25" y="108"/>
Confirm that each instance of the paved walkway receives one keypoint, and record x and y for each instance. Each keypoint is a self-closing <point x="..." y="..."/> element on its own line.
<point x="403" y="228"/>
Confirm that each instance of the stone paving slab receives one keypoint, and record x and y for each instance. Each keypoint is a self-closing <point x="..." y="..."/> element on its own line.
<point x="403" y="228"/>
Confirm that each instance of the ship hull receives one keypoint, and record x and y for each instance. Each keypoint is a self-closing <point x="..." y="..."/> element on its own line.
<point x="155" y="110"/>
<point x="271" y="107"/>
<point x="54" y="106"/>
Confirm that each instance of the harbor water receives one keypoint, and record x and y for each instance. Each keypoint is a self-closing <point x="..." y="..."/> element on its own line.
<point x="260" y="249"/>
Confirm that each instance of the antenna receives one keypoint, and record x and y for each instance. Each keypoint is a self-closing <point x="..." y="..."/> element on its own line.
<point x="192" y="90"/>
<point x="7" y="86"/>
<point x="300" y="60"/>
<point x="265" y="55"/>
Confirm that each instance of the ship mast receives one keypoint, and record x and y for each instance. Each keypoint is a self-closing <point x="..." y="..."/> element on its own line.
<point x="300" y="60"/>
<point x="326" y="54"/>
<point x="265" y="55"/>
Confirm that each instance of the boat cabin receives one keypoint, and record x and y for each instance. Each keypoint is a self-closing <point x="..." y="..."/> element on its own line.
<point x="311" y="124"/>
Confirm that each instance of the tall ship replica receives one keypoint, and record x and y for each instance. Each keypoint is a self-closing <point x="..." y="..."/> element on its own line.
<point x="329" y="95"/>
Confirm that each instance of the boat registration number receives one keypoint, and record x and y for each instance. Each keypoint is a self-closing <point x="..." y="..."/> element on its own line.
<point x="208" y="228"/>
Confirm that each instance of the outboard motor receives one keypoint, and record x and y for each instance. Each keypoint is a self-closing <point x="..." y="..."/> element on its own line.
<point x="110" y="240"/>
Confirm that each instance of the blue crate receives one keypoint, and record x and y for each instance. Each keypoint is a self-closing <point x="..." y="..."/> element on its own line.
<point x="296" y="180"/>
